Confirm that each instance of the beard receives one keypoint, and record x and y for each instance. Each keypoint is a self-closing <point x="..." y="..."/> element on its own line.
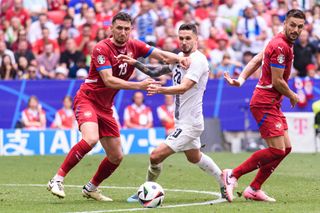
<point x="186" y="50"/>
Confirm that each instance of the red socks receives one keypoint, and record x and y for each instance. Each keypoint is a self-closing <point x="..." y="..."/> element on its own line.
<point x="77" y="152"/>
<point x="266" y="170"/>
<point x="105" y="169"/>
<point x="257" y="160"/>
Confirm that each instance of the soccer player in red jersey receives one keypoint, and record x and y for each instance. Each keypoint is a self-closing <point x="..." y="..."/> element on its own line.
<point x="94" y="100"/>
<point x="265" y="105"/>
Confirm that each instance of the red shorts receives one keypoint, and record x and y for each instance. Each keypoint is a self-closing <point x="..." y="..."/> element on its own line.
<point x="86" y="111"/>
<point x="270" y="120"/>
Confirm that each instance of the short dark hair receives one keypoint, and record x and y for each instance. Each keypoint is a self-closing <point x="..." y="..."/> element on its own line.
<point x="295" y="13"/>
<point x="191" y="27"/>
<point x="122" y="16"/>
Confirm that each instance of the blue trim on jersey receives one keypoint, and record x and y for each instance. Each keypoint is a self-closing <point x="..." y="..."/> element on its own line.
<point x="278" y="66"/>
<point x="149" y="52"/>
<point x="103" y="68"/>
<point x="262" y="120"/>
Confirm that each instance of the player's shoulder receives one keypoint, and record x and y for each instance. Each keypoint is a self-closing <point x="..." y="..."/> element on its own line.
<point x="198" y="57"/>
<point x="278" y="41"/>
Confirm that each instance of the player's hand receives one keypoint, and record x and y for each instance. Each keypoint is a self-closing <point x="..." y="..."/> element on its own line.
<point x="185" y="62"/>
<point x="126" y="58"/>
<point x="153" y="89"/>
<point x="231" y="81"/>
<point x="294" y="100"/>
<point x="144" y="85"/>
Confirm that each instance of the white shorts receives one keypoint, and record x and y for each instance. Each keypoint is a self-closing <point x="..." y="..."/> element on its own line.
<point x="184" y="138"/>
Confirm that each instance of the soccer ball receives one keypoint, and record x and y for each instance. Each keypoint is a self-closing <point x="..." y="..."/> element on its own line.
<point x="150" y="194"/>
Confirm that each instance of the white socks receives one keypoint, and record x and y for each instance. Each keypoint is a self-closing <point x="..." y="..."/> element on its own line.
<point x="209" y="166"/>
<point x="58" y="178"/>
<point x="154" y="171"/>
<point x="90" y="187"/>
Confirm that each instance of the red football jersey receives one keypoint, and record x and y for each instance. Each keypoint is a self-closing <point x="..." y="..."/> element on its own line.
<point x="103" y="57"/>
<point x="279" y="54"/>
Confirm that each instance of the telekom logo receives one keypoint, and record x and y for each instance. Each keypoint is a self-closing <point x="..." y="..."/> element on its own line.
<point x="300" y="125"/>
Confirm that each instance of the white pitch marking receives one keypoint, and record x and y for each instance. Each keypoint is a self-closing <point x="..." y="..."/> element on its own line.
<point x="219" y="200"/>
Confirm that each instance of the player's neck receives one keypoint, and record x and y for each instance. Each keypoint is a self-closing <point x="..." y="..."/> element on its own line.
<point x="116" y="43"/>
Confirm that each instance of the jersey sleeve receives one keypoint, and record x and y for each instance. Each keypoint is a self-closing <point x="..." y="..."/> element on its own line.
<point x="278" y="55"/>
<point x="196" y="69"/>
<point x="143" y="49"/>
<point x="100" y="58"/>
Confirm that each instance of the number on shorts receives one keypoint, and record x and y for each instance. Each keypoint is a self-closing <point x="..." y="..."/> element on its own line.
<point x="176" y="133"/>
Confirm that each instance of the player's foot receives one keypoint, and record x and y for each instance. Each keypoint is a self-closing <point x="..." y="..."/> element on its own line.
<point x="223" y="192"/>
<point x="230" y="183"/>
<point x="56" y="188"/>
<point x="133" y="198"/>
<point x="257" y="195"/>
<point x="96" y="195"/>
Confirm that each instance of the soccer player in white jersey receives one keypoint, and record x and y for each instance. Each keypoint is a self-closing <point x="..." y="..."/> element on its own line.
<point x="189" y="86"/>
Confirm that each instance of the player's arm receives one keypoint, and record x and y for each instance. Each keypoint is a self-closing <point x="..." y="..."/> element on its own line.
<point x="281" y="85"/>
<point x="179" y="89"/>
<point x="170" y="58"/>
<point x="151" y="70"/>
<point x="116" y="83"/>
<point x="249" y="69"/>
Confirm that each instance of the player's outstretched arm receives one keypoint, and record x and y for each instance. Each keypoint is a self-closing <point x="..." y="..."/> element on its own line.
<point x="171" y="58"/>
<point x="180" y="89"/>
<point x="249" y="69"/>
<point x="118" y="83"/>
<point x="151" y="70"/>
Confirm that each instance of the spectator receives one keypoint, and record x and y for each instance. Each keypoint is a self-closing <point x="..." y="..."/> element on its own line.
<point x="108" y="10"/>
<point x="12" y="31"/>
<point x="84" y="38"/>
<point x="82" y="74"/>
<point x="47" y="61"/>
<point x="303" y="53"/>
<point x="71" y="55"/>
<point x="220" y="23"/>
<point x="130" y="6"/>
<point x="20" y="12"/>
<point x="7" y="69"/>
<point x="226" y="65"/>
<point x="252" y="31"/>
<point x="35" y="7"/>
<point x="101" y="34"/>
<point x="312" y="72"/>
<point x="35" y="30"/>
<point x="22" y="36"/>
<point x="33" y="117"/>
<point x="62" y="40"/>
<point x="38" y="46"/>
<point x="166" y="114"/>
<point x="65" y="118"/>
<point x="229" y="10"/>
<point x="216" y="55"/>
<point x="67" y="25"/>
<point x="22" y="67"/>
<point x="77" y="5"/>
<point x="2" y="38"/>
<point x="5" y="51"/>
<point x="181" y="7"/>
<point x="138" y="115"/>
<point x="80" y="64"/>
<point x="61" y="73"/>
<point x="32" y="73"/>
<point x="24" y="51"/>
<point x="146" y="22"/>
<point x="188" y="18"/>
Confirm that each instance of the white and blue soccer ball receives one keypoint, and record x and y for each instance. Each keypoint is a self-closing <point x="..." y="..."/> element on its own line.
<point x="150" y="194"/>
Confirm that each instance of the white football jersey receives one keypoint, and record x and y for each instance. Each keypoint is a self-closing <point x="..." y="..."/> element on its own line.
<point x="188" y="107"/>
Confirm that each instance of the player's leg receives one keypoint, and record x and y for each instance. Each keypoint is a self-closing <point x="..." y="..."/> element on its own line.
<point x="90" y="137"/>
<point x="272" y="129"/>
<point x="206" y="164"/>
<point x="266" y="170"/>
<point x="108" y="165"/>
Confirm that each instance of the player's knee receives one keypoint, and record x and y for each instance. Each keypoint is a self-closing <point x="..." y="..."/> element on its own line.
<point x="115" y="158"/>
<point x="155" y="158"/>
<point x="91" y="140"/>
<point x="193" y="159"/>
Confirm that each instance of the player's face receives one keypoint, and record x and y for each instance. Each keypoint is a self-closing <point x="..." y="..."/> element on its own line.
<point x="293" y="28"/>
<point x="121" y="31"/>
<point x="187" y="41"/>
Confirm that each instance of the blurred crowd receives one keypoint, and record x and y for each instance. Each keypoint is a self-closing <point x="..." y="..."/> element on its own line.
<point x="53" y="39"/>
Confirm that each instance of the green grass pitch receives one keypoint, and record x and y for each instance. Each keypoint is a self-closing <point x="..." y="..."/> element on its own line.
<point x="295" y="185"/>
